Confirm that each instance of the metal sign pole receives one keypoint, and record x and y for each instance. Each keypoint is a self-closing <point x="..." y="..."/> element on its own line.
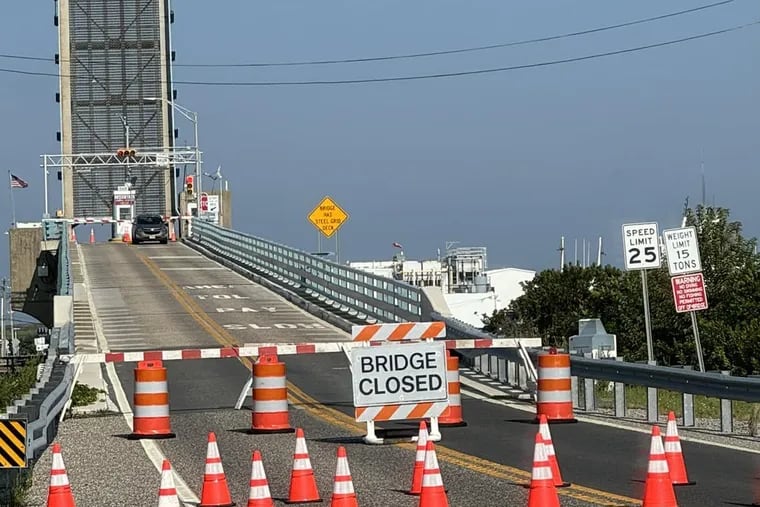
<point x="337" y="248"/>
<point x="647" y="317"/>
<point x="697" y="344"/>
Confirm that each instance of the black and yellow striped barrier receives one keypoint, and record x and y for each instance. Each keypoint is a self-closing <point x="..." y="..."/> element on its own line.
<point x="12" y="443"/>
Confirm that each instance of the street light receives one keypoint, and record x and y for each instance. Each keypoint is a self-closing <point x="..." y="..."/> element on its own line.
<point x="193" y="117"/>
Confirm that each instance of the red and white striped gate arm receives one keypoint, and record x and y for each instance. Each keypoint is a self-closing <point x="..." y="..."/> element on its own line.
<point x="281" y="349"/>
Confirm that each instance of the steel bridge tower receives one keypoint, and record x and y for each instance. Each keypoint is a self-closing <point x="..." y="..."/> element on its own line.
<point x="115" y="96"/>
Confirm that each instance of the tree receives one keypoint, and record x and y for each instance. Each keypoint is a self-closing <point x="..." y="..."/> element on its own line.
<point x="554" y="301"/>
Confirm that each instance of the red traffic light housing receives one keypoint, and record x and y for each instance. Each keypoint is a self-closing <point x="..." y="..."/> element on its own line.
<point x="125" y="153"/>
<point x="189" y="180"/>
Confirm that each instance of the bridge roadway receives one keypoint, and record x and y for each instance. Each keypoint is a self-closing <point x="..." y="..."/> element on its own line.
<point x="168" y="297"/>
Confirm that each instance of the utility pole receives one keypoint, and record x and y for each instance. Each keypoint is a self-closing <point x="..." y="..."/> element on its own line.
<point x="2" y="318"/>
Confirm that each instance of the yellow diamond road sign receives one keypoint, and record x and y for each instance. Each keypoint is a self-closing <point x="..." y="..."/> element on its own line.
<point x="328" y="217"/>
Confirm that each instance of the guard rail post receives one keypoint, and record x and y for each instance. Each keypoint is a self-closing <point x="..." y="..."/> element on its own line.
<point x="652" y="405"/>
<point x="574" y="391"/>
<point x="493" y="367"/>
<point x="688" y="405"/>
<point x="620" y="402"/>
<point x="502" y="369"/>
<point x="589" y="396"/>
<point x="726" y="413"/>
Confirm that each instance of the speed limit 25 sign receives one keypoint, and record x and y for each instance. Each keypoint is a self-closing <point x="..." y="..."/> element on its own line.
<point x="640" y="245"/>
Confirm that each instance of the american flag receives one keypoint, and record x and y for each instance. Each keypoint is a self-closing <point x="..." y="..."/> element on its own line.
<point x="17" y="182"/>
<point x="397" y="245"/>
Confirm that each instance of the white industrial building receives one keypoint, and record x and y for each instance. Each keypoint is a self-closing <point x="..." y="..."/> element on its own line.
<point x="460" y="281"/>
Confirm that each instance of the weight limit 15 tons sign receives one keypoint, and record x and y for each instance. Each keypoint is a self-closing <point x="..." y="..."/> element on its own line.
<point x="641" y="245"/>
<point x="682" y="248"/>
<point x="399" y="374"/>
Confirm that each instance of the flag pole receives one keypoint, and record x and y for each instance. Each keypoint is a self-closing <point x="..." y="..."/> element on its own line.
<point x="13" y="204"/>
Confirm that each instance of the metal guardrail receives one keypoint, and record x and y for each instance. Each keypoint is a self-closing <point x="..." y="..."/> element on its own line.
<point x="365" y="295"/>
<point x="712" y="385"/>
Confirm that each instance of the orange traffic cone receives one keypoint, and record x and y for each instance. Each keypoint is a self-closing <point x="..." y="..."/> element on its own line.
<point x="259" y="494"/>
<point x="214" y="492"/>
<point x="542" y="491"/>
<point x="59" y="493"/>
<point x="433" y="493"/>
<point x="73" y="235"/>
<point x="543" y="427"/>
<point x="658" y="491"/>
<point x="172" y="234"/>
<point x="303" y="485"/>
<point x="419" y="460"/>
<point x="167" y="493"/>
<point x="343" y="487"/>
<point x="92" y="235"/>
<point x="674" y="455"/>
<point x="126" y="238"/>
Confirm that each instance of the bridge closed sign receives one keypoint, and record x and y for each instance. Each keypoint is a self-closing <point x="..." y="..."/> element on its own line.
<point x="399" y="374"/>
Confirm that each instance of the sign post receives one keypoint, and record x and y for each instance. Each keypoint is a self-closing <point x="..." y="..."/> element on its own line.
<point x="642" y="252"/>
<point x="685" y="267"/>
<point x="328" y="217"/>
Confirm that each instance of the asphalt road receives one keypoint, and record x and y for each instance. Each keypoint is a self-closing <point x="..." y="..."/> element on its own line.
<point x="181" y="300"/>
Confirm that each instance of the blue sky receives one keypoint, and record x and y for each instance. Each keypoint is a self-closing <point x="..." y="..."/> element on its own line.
<point x="511" y="160"/>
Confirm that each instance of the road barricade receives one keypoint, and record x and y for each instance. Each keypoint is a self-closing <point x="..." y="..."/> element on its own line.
<point x="452" y="416"/>
<point x="151" y="400"/>
<point x="399" y="374"/>
<point x="270" y="396"/>
<point x="555" y="399"/>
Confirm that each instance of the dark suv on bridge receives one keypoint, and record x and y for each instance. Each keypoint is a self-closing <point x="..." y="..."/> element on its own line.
<point x="149" y="227"/>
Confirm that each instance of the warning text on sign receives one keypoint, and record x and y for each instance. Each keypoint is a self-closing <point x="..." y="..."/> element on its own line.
<point x="398" y="374"/>
<point x="689" y="292"/>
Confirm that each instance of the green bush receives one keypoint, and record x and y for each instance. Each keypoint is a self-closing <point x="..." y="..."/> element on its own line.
<point x="84" y="395"/>
<point x="14" y="385"/>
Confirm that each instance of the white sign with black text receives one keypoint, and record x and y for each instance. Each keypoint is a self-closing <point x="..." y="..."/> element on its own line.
<point x="641" y="246"/>
<point x="399" y="374"/>
<point x="682" y="248"/>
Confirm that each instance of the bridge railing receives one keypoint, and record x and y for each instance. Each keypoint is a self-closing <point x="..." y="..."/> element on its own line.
<point x="364" y="295"/>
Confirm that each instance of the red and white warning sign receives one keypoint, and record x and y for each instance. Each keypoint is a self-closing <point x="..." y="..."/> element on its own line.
<point x="689" y="292"/>
<point x="204" y="201"/>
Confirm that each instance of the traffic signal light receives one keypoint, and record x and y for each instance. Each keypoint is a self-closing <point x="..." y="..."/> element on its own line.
<point x="189" y="180"/>
<point x="125" y="153"/>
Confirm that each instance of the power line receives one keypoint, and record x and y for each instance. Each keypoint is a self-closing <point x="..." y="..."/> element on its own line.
<point x="432" y="76"/>
<point x="429" y="53"/>
<point x="460" y="50"/>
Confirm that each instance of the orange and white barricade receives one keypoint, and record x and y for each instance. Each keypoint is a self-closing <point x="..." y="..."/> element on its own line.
<point x="382" y="394"/>
<point x="452" y="416"/>
<point x="270" y="396"/>
<point x="151" y="412"/>
<point x="555" y="399"/>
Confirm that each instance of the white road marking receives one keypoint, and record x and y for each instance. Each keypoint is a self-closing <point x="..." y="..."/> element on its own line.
<point x="150" y="447"/>
<point x="175" y="257"/>
<point x="532" y="409"/>
<point x="193" y="269"/>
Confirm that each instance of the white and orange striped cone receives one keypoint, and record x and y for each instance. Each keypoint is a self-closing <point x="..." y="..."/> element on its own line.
<point x="674" y="454"/>
<point x="543" y="427"/>
<point x="259" y="494"/>
<point x="658" y="491"/>
<point x="59" y="493"/>
<point x="167" y="493"/>
<point x="433" y="493"/>
<point x="214" y="492"/>
<point x="542" y="491"/>
<point x="73" y="235"/>
<point x="303" y="484"/>
<point x="419" y="460"/>
<point x="343" y="486"/>
<point x="92" y="235"/>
